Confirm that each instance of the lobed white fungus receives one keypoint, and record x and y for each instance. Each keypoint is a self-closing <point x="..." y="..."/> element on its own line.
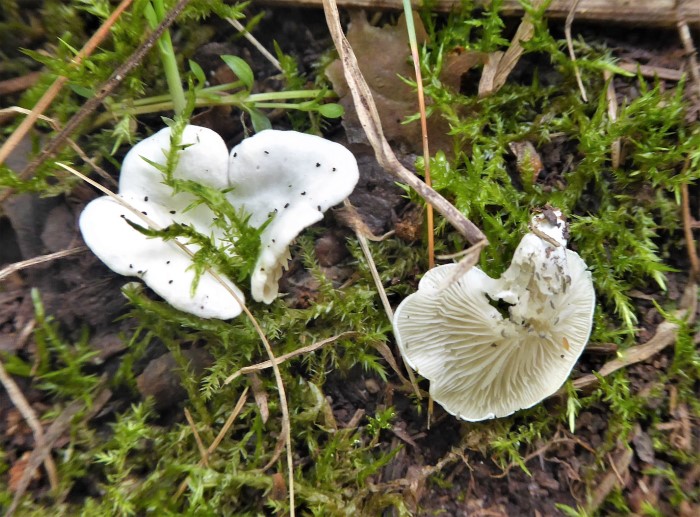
<point x="490" y="347"/>
<point x="290" y="176"/>
<point x="293" y="178"/>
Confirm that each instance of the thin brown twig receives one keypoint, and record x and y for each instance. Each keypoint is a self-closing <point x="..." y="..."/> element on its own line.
<point x="52" y="91"/>
<point x="570" y="45"/>
<point x="78" y="150"/>
<point x="611" y="98"/>
<point x="426" y="148"/>
<point x="282" y="358"/>
<point x="18" y="84"/>
<point x="688" y="232"/>
<point x="200" y="445"/>
<point x="219" y="437"/>
<point x="371" y="123"/>
<point x="17" y="398"/>
<point x="690" y="51"/>
<point x="105" y="90"/>
<point x="42" y="259"/>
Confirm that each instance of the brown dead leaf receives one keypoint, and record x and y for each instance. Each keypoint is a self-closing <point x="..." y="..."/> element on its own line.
<point x="17" y="470"/>
<point x="260" y="396"/>
<point x="279" y="487"/>
<point x="383" y="70"/>
<point x="459" y="62"/>
<point x="500" y="65"/>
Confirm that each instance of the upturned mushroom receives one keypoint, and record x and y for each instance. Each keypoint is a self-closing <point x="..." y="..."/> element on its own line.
<point x="288" y="177"/>
<point x="490" y="347"/>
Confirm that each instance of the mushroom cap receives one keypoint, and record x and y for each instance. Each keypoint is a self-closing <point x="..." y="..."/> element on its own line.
<point x="293" y="178"/>
<point x="162" y="265"/>
<point x="483" y="362"/>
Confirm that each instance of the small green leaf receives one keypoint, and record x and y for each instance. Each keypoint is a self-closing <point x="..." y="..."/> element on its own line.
<point x="331" y="110"/>
<point x="82" y="91"/>
<point x="240" y="68"/>
<point x="198" y="73"/>
<point x="259" y="120"/>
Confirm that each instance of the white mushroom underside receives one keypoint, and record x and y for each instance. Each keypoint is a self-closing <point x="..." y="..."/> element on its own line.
<point x="480" y="364"/>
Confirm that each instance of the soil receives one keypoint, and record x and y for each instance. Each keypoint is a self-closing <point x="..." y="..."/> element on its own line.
<point x="78" y="291"/>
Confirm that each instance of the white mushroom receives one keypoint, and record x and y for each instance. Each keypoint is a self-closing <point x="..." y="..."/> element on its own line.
<point x="293" y="178"/>
<point x="162" y="265"/>
<point x="491" y="347"/>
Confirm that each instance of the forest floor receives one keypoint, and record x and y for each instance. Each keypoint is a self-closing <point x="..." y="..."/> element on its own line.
<point x="125" y="389"/>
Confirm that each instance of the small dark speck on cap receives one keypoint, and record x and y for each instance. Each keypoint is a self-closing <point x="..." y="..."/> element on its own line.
<point x="319" y="208"/>
<point x="334" y="169"/>
<point x="201" y="307"/>
<point x="289" y="186"/>
<point x="172" y="211"/>
<point x="144" y="213"/>
<point x="131" y="266"/>
<point x="562" y="356"/>
<point x="318" y="164"/>
<point x="235" y="154"/>
<point x="145" y="199"/>
<point x="123" y="216"/>
<point x="139" y="272"/>
<point x="286" y="205"/>
<point x="273" y="240"/>
<point x="168" y="262"/>
<point x="266" y="152"/>
<point x="262" y="269"/>
<point x="170" y="281"/>
<point x="303" y="193"/>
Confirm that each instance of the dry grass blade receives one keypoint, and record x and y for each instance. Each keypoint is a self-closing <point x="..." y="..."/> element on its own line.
<point x="18" y="266"/>
<point x="219" y="437"/>
<point x="688" y="232"/>
<point x="200" y="445"/>
<point x="281" y="359"/>
<point x="39" y="454"/>
<point x="253" y="41"/>
<point x="664" y="336"/>
<point x="53" y="90"/>
<point x="423" y="126"/>
<point x="369" y="118"/>
<point x="570" y="46"/>
<point x="496" y="70"/>
<point x="611" y="97"/>
<point x="104" y="91"/>
<point x="17" y="398"/>
<point x="286" y="431"/>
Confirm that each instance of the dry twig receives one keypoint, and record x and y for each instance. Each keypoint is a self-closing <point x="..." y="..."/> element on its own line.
<point x="60" y="81"/>
<point x="219" y="437"/>
<point x="664" y="336"/>
<point x="42" y="259"/>
<point x="281" y="359"/>
<point x="570" y="46"/>
<point x="105" y="90"/>
<point x="20" y="402"/>
<point x="369" y="118"/>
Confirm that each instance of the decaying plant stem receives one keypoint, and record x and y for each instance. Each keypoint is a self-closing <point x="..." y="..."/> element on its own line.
<point x="369" y="118"/>
<point x="105" y="90"/>
<point x="52" y="91"/>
